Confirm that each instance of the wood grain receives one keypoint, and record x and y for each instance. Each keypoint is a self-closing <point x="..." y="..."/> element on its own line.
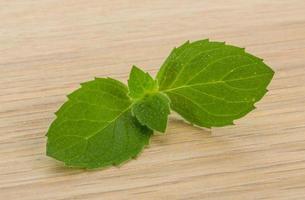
<point x="48" y="47"/>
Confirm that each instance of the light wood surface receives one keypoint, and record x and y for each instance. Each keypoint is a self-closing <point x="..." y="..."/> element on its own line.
<point x="48" y="47"/>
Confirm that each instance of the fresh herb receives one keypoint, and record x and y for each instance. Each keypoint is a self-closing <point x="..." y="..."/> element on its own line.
<point x="104" y="123"/>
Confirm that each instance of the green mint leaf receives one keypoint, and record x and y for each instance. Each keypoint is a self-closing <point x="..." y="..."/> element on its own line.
<point x="152" y="111"/>
<point x="211" y="83"/>
<point x="140" y="83"/>
<point x="95" y="127"/>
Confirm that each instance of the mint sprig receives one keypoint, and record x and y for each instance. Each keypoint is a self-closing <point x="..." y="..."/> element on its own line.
<point x="104" y="123"/>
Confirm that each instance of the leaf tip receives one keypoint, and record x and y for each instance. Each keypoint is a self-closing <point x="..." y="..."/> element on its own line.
<point x="134" y="67"/>
<point x="56" y="113"/>
<point x="69" y="96"/>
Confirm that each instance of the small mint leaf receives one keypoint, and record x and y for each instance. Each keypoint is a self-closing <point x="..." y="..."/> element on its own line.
<point x="95" y="127"/>
<point x="211" y="83"/>
<point x="152" y="111"/>
<point x="140" y="83"/>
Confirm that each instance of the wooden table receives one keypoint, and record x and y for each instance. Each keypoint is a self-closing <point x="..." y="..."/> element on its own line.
<point x="48" y="47"/>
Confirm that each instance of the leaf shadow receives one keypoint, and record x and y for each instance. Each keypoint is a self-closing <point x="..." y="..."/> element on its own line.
<point x="182" y="133"/>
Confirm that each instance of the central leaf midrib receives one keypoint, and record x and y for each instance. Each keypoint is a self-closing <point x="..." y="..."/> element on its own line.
<point x="96" y="132"/>
<point x="110" y="122"/>
<point x="212" y="82"/>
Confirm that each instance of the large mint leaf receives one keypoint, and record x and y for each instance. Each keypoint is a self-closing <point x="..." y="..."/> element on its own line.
<point x="95" y="127"/>
<point x="152" y="110"/>
<point x="211" y="83"/>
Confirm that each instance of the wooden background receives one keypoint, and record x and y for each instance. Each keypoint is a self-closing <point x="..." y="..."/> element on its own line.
<point x="48" y="47"/>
